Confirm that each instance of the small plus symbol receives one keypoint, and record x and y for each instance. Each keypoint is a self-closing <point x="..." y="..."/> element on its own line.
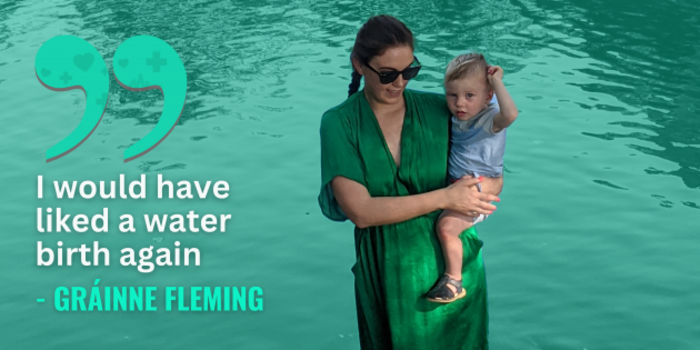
<point x="65" y="77"/>
<point x="156" y="61"/>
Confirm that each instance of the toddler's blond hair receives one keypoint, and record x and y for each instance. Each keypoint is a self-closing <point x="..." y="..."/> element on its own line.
<point x="465" y="65"/>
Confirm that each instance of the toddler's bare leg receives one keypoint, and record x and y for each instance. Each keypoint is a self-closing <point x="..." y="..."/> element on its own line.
<point x="450" y="225"/>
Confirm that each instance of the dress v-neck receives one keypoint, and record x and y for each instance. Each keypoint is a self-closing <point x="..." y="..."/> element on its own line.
<point x="402" y="149"/>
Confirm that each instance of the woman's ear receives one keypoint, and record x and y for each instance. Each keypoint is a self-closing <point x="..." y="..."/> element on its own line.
<point x="357" y="65"/>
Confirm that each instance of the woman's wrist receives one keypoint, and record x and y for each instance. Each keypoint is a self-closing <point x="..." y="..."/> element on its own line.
<point x="441" y="198"/>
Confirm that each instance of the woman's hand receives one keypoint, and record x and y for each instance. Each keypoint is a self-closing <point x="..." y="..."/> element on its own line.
<point x="459" y="197"/>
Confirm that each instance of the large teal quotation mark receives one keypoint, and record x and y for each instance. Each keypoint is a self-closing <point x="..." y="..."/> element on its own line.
<point x="140" y="63"/>
<point x="67" y="63"/>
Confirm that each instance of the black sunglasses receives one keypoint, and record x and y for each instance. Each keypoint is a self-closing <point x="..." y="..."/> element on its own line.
<point x="389" y="77"/>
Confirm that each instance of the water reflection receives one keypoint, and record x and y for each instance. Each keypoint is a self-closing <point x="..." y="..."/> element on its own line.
<point x="7" y="9"/>
<point x="647" y="50"/>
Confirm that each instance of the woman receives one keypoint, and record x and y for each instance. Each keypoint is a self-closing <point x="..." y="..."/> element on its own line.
<point x="384" y="160"/>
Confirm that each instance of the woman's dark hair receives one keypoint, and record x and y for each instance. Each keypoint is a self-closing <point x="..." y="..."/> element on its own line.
<point x="376" y="35"/>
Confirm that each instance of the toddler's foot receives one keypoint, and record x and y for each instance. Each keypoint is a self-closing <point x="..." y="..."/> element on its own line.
<point x="446" y="290"/>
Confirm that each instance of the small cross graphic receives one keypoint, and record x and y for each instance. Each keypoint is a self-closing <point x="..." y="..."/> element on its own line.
<point x="65" y="77"/>
<point x="156" y="61"/>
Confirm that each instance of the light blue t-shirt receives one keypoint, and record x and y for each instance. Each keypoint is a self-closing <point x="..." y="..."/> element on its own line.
<point x="475" y="149"/>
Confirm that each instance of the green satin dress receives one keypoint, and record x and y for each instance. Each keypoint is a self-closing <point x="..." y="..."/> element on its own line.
<point x="398" y="263"/>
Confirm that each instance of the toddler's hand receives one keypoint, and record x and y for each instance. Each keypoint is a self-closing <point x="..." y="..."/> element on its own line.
<point x="494" y="73"/>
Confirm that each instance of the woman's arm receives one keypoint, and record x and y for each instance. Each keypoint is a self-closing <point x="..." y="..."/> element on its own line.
<point x="365" y="211"/>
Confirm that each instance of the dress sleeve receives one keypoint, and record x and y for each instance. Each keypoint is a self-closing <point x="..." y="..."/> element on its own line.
<point x="339" y="157"/>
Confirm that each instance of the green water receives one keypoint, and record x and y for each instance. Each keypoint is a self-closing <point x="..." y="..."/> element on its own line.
<point x="594" y="246"/>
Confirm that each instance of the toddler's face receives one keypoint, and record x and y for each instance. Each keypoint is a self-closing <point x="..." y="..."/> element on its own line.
<point x="466" y="97"/>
